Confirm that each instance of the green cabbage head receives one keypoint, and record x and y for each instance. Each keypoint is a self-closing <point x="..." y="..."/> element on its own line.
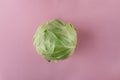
<point x="55" y="40"/>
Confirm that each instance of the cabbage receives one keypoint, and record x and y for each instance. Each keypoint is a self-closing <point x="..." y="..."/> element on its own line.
<point x="55" y="40"/>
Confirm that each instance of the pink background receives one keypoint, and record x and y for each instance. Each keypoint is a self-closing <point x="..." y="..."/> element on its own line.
<point x="97" y="56"/>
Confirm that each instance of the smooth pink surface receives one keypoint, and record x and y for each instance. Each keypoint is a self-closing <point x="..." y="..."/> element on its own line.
<point x="97" y="56"/>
